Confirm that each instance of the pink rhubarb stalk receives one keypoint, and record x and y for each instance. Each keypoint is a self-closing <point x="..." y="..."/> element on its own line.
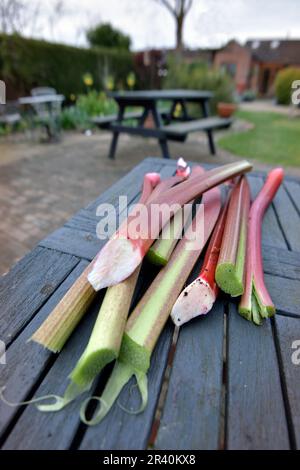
<point x="121" y="256"/>
<point x="256" y="302"/>
<point x="199" y="296"/>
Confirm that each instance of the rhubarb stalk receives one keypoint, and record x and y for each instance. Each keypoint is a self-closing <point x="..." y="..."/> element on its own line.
<point x="199" y="296"/>
<point x="121" y="255"/>
<point x="231" y="263"/>
<point x="149" y="317"/>
<point x="256" y="302"/>
<point x="62" y="321"/>
<point x="161" y="250"/>
<point x="57" y="328"/>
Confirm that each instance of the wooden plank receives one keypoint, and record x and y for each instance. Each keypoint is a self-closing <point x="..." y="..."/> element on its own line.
<point x="27" y="362"/>
<point x="271" y="232"/>
<point x="288" y="217"/>
<point x="78" y="236"/>
<point x="293" y="190"/>
<point x="192" y="411"/>
<point x="182" y="128"/>
<point x="285" y="294"/>
<point x="28" y="285"/>
<point x="255" y="408"/>
<point x="121" y="430"/>
<point x="288" y="334"/>
<point x="54" y="431"/>
<point x="75" y="242"/>
<point x="282" y="263"/>
<point x="129" y="185"/>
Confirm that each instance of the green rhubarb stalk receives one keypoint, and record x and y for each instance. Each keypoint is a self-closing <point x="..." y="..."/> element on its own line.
<point x="148" y="319"/>
<point x="104" y="344"/>
<point x="102" y="348"/>
<point x="231" y="263"/>
<point x="161" y="250"/>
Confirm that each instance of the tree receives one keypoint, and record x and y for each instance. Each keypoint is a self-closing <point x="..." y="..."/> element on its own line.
<point x="16" y="16"/>
<point x="179" y="10"/>
<point x="106" y="36"/>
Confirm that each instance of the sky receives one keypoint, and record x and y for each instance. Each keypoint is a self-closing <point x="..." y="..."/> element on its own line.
<point x="210" y="23"/>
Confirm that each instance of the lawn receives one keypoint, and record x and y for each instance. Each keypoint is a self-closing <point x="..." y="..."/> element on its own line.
<point x="275" y="139"/>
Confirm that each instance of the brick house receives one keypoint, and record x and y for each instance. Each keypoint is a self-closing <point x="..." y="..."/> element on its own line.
<point x="255" y="65"/>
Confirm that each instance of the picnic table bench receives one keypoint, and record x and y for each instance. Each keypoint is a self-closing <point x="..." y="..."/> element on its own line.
<point x="231" y="385"/>
<point x="163" y="128"/>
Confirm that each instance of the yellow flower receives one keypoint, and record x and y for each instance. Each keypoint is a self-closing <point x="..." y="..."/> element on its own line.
<point x="72" y="97"/>
<point x="88" y="79"/>
<point x="130" y="80"/>
<point x="178" y="110"/>
<point x="109" y="83"/>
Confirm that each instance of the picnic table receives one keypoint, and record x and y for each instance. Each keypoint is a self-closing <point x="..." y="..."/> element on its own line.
<point x="231" y="384"/>
<point x="163" y="128"/>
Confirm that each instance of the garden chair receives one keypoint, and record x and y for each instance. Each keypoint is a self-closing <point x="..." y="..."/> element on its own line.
<point x="47" y="113"/>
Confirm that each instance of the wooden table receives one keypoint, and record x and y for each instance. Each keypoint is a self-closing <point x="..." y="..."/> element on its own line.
<point x="148" y="101"/>
<point x="231" y="385"/>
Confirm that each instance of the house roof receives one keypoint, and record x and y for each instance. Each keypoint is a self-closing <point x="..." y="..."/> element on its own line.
<point x="282" y="52"/>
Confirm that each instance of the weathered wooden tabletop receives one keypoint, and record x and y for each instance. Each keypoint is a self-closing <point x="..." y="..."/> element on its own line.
<point x="231" y="385"/>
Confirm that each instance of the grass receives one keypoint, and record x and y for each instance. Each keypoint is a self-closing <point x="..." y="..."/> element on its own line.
<point x="275" y="139"/>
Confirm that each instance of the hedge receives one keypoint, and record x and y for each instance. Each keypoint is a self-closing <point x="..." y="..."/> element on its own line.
<point x="26" y="63"/>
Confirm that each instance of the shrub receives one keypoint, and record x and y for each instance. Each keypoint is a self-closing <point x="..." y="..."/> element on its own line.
<point x="198" y="76"/>
<point x="96" y="104"/>
<point x="73" y="118"/>
<point x="26" y="63"/>
<point x="283" y="84"/>
<point x="87" y="106"/>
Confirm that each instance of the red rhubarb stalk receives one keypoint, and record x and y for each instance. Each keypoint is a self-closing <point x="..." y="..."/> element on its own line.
<point x="256" y="302"/>
<point x="199" y="296"/>
<point x="231" y="264"/>
<point x="121" y="256"/>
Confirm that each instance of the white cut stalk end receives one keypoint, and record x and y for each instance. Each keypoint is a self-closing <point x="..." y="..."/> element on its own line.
<point x="116" y="262"/>
<point x="196" y="299"/>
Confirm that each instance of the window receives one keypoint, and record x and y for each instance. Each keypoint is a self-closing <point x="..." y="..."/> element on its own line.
<point x="255" y="44"/>
<point x="229" y="68"/>
<point x="274" y="44"/>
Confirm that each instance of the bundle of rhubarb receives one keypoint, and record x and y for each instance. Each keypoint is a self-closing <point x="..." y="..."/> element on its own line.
<point x="173" y="240"/>
<point x="233" y="261"/>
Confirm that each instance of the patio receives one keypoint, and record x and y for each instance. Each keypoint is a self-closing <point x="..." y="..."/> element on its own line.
<point x="41" y="185"/>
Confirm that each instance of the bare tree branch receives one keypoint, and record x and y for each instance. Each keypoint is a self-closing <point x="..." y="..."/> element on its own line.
<point x="189" y="3"/>
<point x="168" y="6"/>
<point x="179" y="9"/>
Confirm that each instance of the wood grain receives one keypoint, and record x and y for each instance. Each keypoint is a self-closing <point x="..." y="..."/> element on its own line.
<point x="255" y="415"/>
<point x="192" y="410"/>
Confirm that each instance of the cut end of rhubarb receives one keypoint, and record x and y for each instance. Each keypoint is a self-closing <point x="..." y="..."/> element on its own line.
<point x="228" y="281"/>
<point x="88" y="368"/>
<point x="196" y="299"/>
<point x="156" y="258"/>
<point x="115" y="263"/>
